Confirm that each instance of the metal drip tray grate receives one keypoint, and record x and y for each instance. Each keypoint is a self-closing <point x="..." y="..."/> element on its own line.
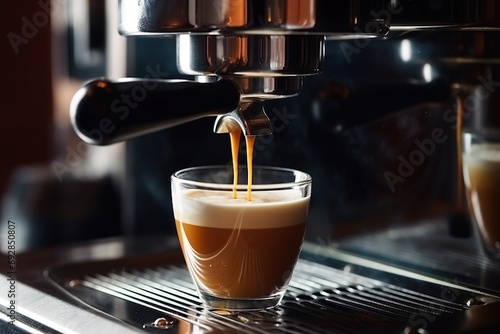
<point x="320" y="299"/>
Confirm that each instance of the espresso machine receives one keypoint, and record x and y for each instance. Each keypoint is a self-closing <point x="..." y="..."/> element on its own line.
<point x="367" y="96"/>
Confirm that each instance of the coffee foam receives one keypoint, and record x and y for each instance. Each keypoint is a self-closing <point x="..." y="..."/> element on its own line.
<point x="269" y="209"/>
<point x="483" y="155"/>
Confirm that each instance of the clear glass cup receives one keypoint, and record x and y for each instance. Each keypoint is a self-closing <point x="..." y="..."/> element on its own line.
<point x="240" y="253"/>
<point x="481" y="170"/>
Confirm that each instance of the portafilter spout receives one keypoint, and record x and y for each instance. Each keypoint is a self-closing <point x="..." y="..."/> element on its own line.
<point x="249" y="116"/>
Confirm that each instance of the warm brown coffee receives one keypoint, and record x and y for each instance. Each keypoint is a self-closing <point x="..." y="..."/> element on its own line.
<point x="234" y="135"/>
<point x="240" y="249"/>
<point x="482" y="179"/>
<point x="242" y="264"/>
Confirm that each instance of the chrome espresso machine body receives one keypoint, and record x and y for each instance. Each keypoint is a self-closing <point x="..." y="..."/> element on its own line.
<point x="239" y="57"/>
<point x="367" y="96"/>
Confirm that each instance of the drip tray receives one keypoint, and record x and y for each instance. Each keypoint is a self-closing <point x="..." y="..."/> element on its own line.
<point x="155" y="294"/>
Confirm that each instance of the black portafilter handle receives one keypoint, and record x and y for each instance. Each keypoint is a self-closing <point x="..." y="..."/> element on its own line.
<point x="104" y="112"/>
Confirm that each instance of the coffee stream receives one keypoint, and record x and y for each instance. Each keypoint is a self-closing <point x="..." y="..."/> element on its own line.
<point x="235" y="135"/>
<point x="250" y="140"/>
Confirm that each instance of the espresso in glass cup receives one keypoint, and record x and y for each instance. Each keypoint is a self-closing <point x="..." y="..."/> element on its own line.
<point x="481" y="169"/>
<point x="240" y="253"/>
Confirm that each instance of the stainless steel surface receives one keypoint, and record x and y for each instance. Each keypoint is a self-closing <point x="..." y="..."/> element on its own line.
<point x="140" y="280"/>
<point x="429" y="249"/>
<point x="471" y="15"/>
<point x="261" y="41"/>
<point x="249" y="116"/>
<point x="263" y="66"/>
<point x="255" y="88"/>
<point x="252" y="55"/>
<point x="320" y="299"/>
<point x="350" y="18"/>
<point x="265" y="47"/>
<point x="248" y="38"/>
<point x="245" y="17"/>
<point x="38" y="312"/>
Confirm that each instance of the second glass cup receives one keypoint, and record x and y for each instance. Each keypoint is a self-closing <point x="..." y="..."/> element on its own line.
<point x="481" y="169"/>
<point x="240" y="253"/>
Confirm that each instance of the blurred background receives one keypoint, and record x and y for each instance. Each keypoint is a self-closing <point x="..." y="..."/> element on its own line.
<point x="358" y="128"/>
<point x="53" y="186"/>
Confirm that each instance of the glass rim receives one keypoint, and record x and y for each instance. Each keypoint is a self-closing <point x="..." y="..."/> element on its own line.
<point x="305" y="179"/>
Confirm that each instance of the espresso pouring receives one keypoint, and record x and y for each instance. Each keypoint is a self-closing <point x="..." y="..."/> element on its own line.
<point x="241" y="246"/>
<point x="235" y="135"/>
